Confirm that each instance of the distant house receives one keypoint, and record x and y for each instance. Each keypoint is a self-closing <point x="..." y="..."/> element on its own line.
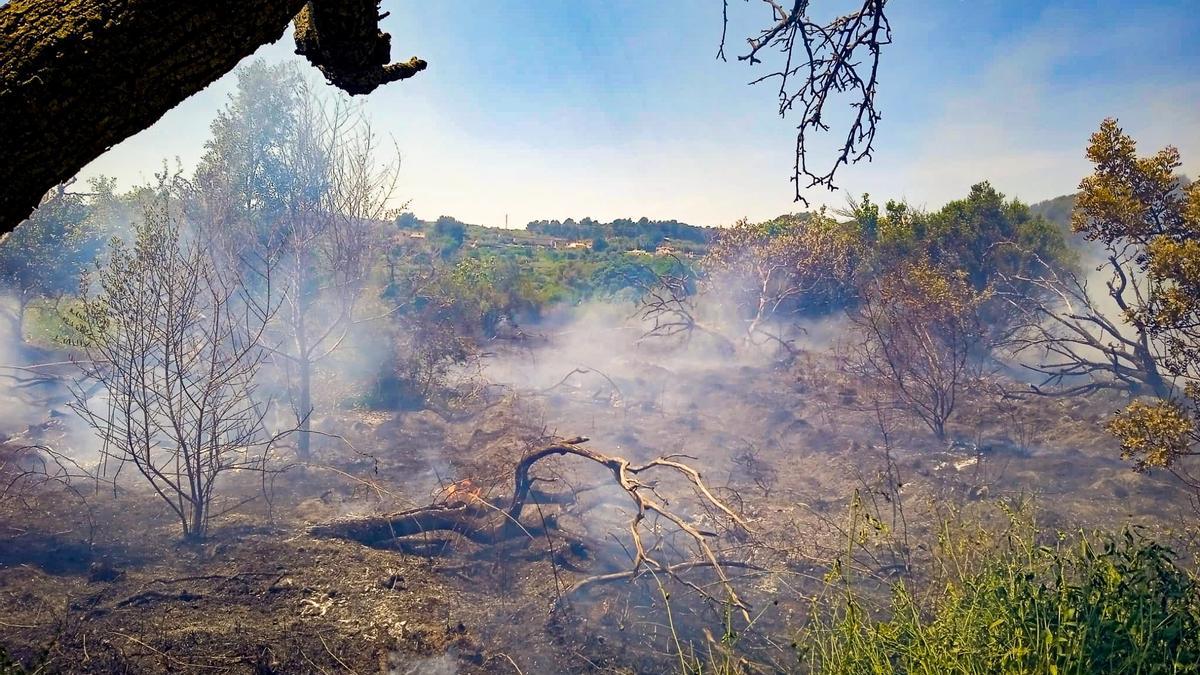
<point x="664" y="250"/>
<point x="636" y="251"/>
<point x="543" y="242"/>
<point x="417" y="234"/>
<point x="580" y="244"/>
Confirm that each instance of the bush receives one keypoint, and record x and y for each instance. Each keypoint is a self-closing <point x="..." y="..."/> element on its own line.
<point x="1099" y="603"/>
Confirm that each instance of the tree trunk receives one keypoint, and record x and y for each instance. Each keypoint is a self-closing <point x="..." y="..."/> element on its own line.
<point x="199" y="516"/>
<point x="305" y="408"/>
<point x="22" y="307"/>
<point x="79" y="76"/>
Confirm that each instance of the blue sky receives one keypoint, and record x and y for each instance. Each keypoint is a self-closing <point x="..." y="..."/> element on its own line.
<point x="612" y="108"/>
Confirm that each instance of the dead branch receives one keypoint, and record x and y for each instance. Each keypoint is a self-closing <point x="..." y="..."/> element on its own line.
<point x="672" y="570"/>
<point x="492" y="521"/>
<point x="1076" y="345"/>
<point x="669" y="313"/>
<point x="585" y="370"/>
<point x="818" y="62"/>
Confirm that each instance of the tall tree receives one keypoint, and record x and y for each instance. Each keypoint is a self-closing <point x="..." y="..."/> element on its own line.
<point x="292" y="191"/>
<point x="1149" y="226"/>
<point x="1136" y="335"/>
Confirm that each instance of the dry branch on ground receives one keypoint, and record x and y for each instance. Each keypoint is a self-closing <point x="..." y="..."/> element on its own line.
<point x="494" y="521"/>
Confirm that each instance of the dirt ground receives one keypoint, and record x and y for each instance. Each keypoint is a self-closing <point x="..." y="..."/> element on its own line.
<point x="97" y="581"/>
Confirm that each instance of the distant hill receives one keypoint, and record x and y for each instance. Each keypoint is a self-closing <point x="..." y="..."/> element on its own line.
<point x="1056" y="210"/>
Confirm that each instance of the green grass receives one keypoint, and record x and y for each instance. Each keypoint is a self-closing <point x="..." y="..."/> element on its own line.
<point x="1098" y="603"/>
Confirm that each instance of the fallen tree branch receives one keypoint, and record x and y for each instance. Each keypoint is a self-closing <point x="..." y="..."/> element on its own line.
<point x="672" y="570"/>
<point x="490" y="522"/>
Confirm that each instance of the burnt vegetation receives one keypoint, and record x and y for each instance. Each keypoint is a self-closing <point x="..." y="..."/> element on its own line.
<point x="259" y="417"/>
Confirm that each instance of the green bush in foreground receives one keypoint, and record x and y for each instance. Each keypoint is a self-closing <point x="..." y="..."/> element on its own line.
<point x="1095" y="604"/>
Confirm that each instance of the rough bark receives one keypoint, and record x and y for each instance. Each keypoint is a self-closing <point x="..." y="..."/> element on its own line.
<point x="343" y="40"/>
<point x="79" y="76"/>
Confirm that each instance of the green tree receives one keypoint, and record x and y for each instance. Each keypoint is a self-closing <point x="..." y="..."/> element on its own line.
<point x="45" y="257"/>
<point x="292" y="192"/>
<point x="986" y="235"/>
<point x="1149" y="226"/>
<point x="784" y="268"/>
<point x="450" y="234"/>
<point x="407" y="221"/>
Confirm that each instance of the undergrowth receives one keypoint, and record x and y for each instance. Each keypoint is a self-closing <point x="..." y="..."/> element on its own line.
<point x="1013" y="599"/>
<point x="1087" y="603"/>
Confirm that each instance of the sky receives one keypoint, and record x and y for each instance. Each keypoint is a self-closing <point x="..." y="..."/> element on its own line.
<point x="541" y="109"/>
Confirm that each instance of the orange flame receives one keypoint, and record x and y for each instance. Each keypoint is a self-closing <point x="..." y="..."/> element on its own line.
<point x="463" y="491"/>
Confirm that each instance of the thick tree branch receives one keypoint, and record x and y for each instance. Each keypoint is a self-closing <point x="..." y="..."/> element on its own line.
<point x="79" y="76"/>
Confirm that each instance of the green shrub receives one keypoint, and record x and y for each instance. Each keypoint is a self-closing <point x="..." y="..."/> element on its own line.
<point x="1096" y="603"/>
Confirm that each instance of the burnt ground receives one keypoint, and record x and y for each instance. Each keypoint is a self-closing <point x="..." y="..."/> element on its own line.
<point x="97" y="580"/>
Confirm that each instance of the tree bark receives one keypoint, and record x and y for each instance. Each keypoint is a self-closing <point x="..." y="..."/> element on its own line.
<point x="304" y="411"/>
<point x="79" y="76"/>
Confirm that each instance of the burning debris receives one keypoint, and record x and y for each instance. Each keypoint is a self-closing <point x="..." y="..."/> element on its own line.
<point x="463" y="509"/>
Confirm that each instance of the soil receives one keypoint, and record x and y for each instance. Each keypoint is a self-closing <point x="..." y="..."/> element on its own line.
<point x="97" y="580"/>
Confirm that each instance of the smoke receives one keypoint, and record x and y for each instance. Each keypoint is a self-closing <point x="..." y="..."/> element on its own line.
<point x="407" y="664"/>
<point x="35" y="398"/>
<point x="13" y="410"/>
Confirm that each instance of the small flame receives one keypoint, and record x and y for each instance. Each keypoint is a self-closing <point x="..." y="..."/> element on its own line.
<point x="462" y="491"/>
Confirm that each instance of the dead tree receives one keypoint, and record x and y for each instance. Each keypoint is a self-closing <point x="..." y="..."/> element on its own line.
<point x="492" y="521"/>
<point x="669" y="312"/>
<point x="175" y="352"/>
<point x="915" y="330"/>
<point x="1075" y="344"/>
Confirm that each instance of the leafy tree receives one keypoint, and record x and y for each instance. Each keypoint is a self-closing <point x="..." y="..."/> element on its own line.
<point x="45" y="257"/>
<point x="644" y="229"/>
<point x="291" y="192"/>
<point x="986" y="235"/>
<point x="993" y="240"/>
<point x="480" y="293"/>
<point x="450" y="233"/>
<point x="1149" y="227"/>
<point x="783" y="268"/>
<point x="408" y="221"/>
<point x="866" y="214"/>
<point x="1135" y="337"/>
